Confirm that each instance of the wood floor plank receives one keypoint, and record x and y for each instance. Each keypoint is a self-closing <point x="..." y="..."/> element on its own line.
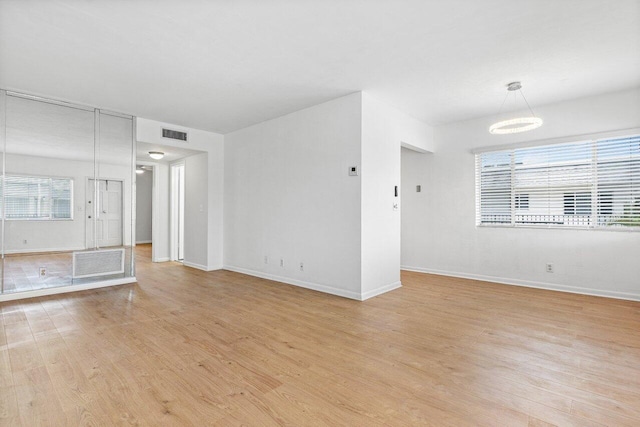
<point x="36" y="397"/>
<point x="8" y="406"/>
<point x="6" y="376"/>
<point x="187" y="347"/>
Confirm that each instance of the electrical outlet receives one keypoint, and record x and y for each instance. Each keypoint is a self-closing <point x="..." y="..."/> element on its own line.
<point x="281" y="262"/>
<point x="266" y="259"/>
<point x="549" y="268"/>
<point x="43" y="271"/>
<point x="24" y="241"/>
<point x="302" y="266"/>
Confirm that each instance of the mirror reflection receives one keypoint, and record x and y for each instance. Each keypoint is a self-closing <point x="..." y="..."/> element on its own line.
<point x="66" y="195"/>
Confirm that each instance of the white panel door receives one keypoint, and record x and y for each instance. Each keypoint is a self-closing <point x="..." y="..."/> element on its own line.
<point x="107" y="210"/>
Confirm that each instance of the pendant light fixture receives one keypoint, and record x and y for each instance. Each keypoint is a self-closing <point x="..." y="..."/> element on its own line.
<point x="517" y="124"/>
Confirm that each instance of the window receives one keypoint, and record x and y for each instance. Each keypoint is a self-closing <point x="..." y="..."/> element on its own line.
<point x="522" y="201"/>
<point x="577" y="203"/>
<point x="39" y="198"/>
<point x="605" y="205"/>
<point x="581" y="184"/>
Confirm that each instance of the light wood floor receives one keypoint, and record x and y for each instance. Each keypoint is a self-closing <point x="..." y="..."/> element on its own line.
<point x="185" y="347"/>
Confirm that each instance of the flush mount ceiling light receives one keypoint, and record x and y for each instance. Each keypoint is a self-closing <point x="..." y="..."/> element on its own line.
<point x="139" y="171"/>
<point x="156" y="155"/>
<point x="518" y="124"/>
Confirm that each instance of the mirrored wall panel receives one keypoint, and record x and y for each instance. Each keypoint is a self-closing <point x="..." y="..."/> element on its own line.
<point x="67" y="187"/>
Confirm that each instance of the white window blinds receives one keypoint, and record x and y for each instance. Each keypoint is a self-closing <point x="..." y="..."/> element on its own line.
<point x="581" y="184"/>
<point x="39" y="198"/>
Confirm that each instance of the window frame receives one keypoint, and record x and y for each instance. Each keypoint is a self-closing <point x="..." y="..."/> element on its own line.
<point x="595" y="190"/>
<point x="50" y="178"/>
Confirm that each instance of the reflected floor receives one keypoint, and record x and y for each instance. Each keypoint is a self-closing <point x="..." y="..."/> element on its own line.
<point x="21" y="272"/>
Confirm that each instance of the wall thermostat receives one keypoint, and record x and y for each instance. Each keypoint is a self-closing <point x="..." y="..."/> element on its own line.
<point x="353" y="171"/>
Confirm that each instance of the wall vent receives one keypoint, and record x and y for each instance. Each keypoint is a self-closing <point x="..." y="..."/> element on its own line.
<point x="101" y="262"/>
<point x="174" y="134"/>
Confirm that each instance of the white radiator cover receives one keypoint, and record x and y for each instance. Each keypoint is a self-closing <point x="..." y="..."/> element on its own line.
<point x="102" y="262"/>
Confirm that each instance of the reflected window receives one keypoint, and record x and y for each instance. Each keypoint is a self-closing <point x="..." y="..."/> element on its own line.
<point x="37" y="198"/>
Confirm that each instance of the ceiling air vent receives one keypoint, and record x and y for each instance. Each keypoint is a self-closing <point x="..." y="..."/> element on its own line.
<point x="174" y="134"/>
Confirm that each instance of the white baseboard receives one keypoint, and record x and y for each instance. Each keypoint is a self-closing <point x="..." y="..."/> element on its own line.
<point x="200" y="266"/>
<point x="163" y="259"/>
<point x="143" y="242"/>
<point x="530" y="284"/>
<point x="308" y="285"/>
<point x="381" y="290"/>
<point x="31" y="251"/>
<point x="194" y="265"/>
<point x="65" y="289"/>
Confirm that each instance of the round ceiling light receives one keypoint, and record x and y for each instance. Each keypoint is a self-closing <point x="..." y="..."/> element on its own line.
<point x="139" y="171"/>
<point x="156" y="155"/>
<point x="518" y="124"/>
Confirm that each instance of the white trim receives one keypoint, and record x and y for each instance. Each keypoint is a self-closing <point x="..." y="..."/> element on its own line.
<point x="308" y="285"/>
<point x="65" y="289"/>
<point x="30" y="251"/>
<point x="530" y="284"/>
<point x="50" y="101"/>
<point x="381" y="290"/>
<point x="143" y="242"/>
<point x="200" y="266"/>
<point x="174" y="209"/>
<point x="560" y="140"/>
<point x="624" y="229"/>
<point x="116" y="114"/>
<point x="414" y="148"/>
<point x="18" y="93"/>
<point x="3" y="147"/>
<point x="163" y="259"/>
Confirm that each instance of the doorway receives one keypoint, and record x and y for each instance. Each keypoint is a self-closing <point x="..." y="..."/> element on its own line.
<point x="104" y="213"/>
<point x="144" y="204"/>
<point x="177" y="211"/>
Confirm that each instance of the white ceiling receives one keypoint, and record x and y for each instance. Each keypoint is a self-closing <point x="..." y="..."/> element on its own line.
<point x="223" y="65"/>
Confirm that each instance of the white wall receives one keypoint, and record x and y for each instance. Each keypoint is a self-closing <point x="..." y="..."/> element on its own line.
<point x="384" y="130"/>
<point x="288" y="195"/>
<point x="195" y="211"/>
<point x="213" y="144"/>
<point x="42" y="236"/>
<point x="160" y="210"/>
<point x="438" y="225"/>
<point x="144" y="188"/>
